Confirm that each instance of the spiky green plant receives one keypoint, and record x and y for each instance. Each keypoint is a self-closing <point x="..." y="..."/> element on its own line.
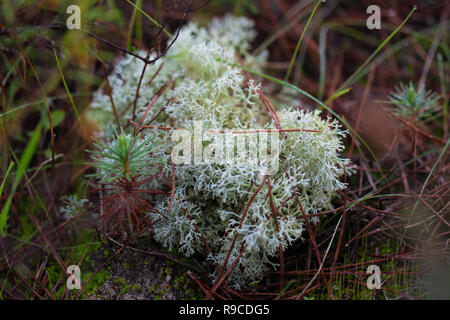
<point x="126" y="167"/>
<point x="414" y="103"/>
<point x="124" y="157"/>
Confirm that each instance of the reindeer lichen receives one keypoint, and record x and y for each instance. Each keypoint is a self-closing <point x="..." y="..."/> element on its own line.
<point x="233" y="212"/>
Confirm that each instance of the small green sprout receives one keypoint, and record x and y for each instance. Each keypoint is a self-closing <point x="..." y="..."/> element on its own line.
<point x="124" y="157"/>
<point x="414" y="103"/>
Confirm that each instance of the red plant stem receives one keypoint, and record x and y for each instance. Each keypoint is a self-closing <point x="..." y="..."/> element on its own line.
<point x="225" y="275"/>
<point x="310" y="231"/>
<point x="244" y="214"/>
<point x="413" y="127"/>
<point x="264" y="130"/>
<point x="271" y="110"/>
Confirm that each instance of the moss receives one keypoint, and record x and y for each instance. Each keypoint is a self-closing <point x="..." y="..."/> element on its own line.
<point x="123" y="285"/>
<point x="119" y="281"/>
<point x="351" y="286"/>
<point x="157" y="292"/>
<point x="125" y="289"/>
<point x="137" y="287"/>
<point x="54" y="274"/>
<point x="153" y="288"/>
<point x="85" y="246"/>
<point x="100" y="278"/>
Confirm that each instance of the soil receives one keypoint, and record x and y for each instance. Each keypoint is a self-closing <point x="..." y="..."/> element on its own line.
<point x="134" y="275"/>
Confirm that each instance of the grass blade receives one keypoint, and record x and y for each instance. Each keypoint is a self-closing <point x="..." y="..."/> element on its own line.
<point x="11" y="164"/>
<point x="156" y="23"/>
<point x="352" y="79"/>
<point x="25" y="160"/>
<point x="294" y="56"/>
<point x="68" y="92"/>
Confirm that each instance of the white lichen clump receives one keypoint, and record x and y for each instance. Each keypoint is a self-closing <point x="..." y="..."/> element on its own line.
<point x="210" y="199"/>
<point x="73" y="206"/>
